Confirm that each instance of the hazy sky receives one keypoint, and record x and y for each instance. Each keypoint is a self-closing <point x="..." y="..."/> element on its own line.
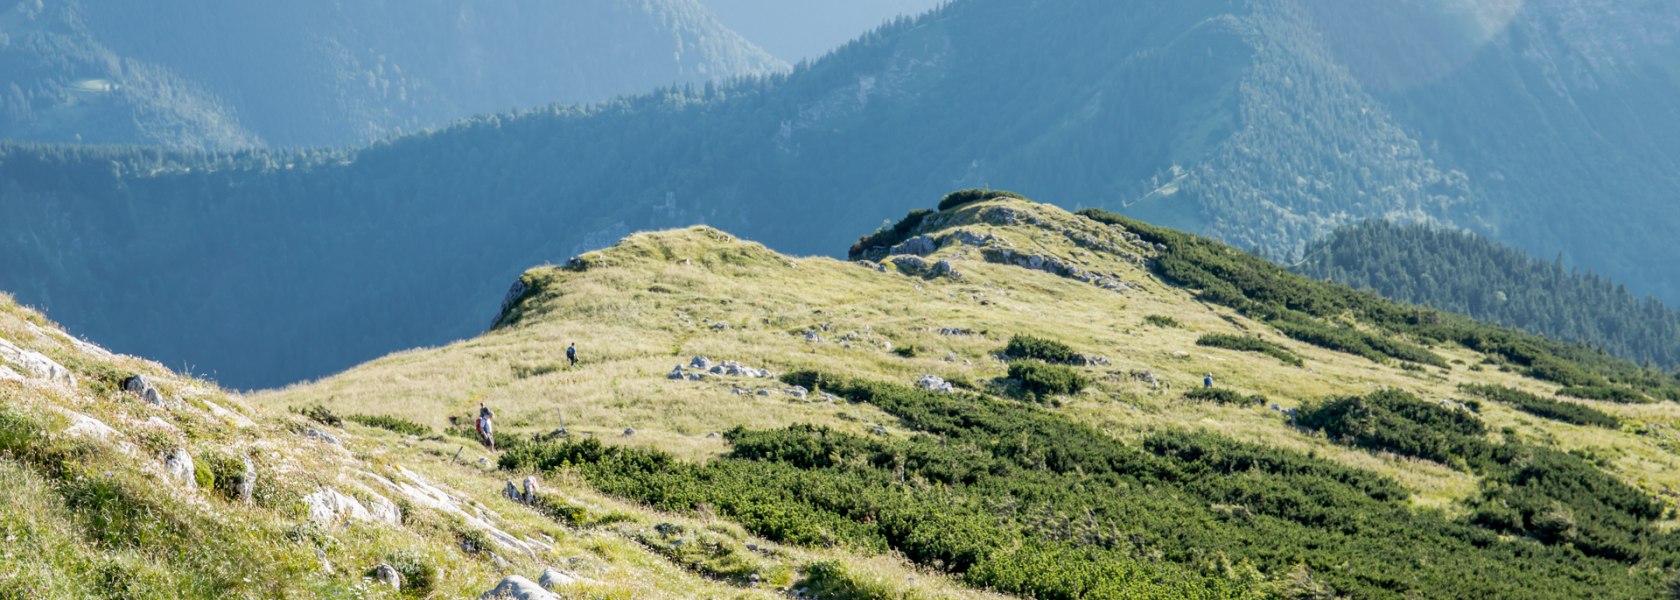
<point x="799" y="29"/>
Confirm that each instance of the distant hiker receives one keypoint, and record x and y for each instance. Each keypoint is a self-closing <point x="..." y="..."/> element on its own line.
<point x="484" y="430"/>
<point x="571" y="353"/>
<point x="1207" y="381"/>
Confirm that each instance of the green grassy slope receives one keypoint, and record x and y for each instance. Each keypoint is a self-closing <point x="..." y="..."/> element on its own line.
<point x="1129" y="486"/>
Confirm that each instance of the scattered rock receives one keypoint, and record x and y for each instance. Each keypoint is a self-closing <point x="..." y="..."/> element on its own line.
<point x="532" y="488"/>
<point x="156" y="422"/>
<point x="236" y="419"/>
<point x="797" y="391"/>
<point x="322" y="435"/>
<point x="1094" y="361"/>
<point x="247" y="481"/>
<point x="944" y="269"/>
<point x="812" y="336"/>
<point x="36" y="364"/>
<point x="138" y="385"/>
<point x="719" y="326"/>
<point x="920" y="245"/>
<point x="676" y="373"/>
<point x="1054" y="266"/>
<point x="179" y="465"/>
<point x="329" y="507"/>
<point x="872" y="265"/>
<point x="514" y="587"/>
<point x="910" y="265"/>
<point x="934" y="383"/>
<point x="700" y="362"/>
<point x="512" y="492"/>
<point x="955" y="331"/>
<point x="387" y="575"/>
<point x="85" y="426"/>
<point x="326" y="565"/>
<point x="1147" y="377"/>
<point x="711" y="435"/>
<point x="764" y="392"/>
<point x="552" y="579"/>
<point x="951" y="357"/>
<point x="629" y="432"/>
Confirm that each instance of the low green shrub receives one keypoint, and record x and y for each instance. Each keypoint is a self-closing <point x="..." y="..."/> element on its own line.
<point x="1224" y="396"/>
<point x="1163" y="321"/>
<point x="1042" y="380"/>
<point x="906" y="351"/>
<point x="970" y="196"/>
<point x="1604" y="393"/>
<point x="390" y="423"/>
<point x="1022" y="347"/>
<point x="1545" y="407"/>
<point x="321" y="414"/>
<point x="1249" y="344"/>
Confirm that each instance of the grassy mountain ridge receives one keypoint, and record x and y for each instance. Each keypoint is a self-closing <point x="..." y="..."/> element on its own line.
<point x="857" y="456"/>
<point x="830" y="472"/>
<point x="202" y="75"/>
<point x="1243" y="120"/>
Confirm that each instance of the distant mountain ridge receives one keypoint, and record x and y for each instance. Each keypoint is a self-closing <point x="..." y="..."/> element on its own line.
<point x="1260" y="123"/>
<point x="214" y="75"/>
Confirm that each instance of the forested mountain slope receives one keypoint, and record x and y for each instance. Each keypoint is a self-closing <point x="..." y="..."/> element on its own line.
<point x="1012" y="396"/>
<point x="214" y="75"/>
<point x="798" y="30"/>
<point x="1256" y="122"/>
<point x="1464" y="273"/>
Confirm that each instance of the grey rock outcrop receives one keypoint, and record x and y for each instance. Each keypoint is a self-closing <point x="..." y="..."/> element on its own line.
<point x="179" y="464"/>
<point x="552" y="579"/>
<point x="532" y="488"/>
<point x="247" y="481"/>
<point x="387" y="575"/>
<point x="515" y="587"/>
<point x="140" y="386"/>
<point x="700" y="362"/>
<point x="934" y="383"/>
<point x="330" y="507"/>
<point x="35" y="364"/>
<point x="910" y="265"/>
<point x="920" y="245"/>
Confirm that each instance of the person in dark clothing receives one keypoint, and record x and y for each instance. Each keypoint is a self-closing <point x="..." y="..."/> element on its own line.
<point x="1207" y="382"/>
<point x="571" y="353"/>
<point x="484" y="427"/>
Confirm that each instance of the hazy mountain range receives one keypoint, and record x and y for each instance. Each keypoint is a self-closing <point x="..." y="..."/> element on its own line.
<point x="1548" y="124"/>
<point x="218" y="75"/>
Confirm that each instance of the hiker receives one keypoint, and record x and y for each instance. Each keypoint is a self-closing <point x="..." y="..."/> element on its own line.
<point x="484" y="431"/>
<point x="571" y="353"/>
<point x="1207" y="382"/>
